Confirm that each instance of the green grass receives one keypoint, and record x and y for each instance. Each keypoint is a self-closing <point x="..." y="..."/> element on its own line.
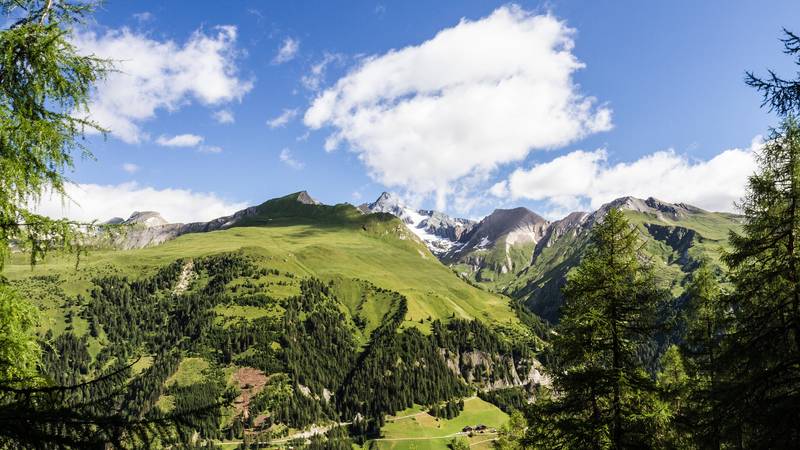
<point x="381" y="251"/>
<point x="423" y="431"/>
<point x="245" y="312"/>
<point x="190" y="371"/>
<point x="166" y="403"/>
<point x="142" y="364"/>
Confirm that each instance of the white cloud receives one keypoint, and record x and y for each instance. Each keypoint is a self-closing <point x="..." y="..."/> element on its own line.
<point x="287" y="158"/>
<point x="478" y="95"/>
<point x="581" y="180"/>
<point x="224" y="116"/>
<point x="130" y="168"/>
<point x="155" y="75"/>
<point x="284" y="118"/>
<point x="287" y="51"/>
<point x="102" y="202"/>
<point x="181" y="140"/>
<point x="315" y="77"/>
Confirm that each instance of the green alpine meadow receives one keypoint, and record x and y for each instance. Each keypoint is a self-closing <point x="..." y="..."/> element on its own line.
<point x="374" y="225"/>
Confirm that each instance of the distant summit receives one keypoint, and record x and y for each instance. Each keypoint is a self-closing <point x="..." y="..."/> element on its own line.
<point x="157" y="230"/>
<point x="304" y="198"/>
<point x="437" y="230"/>
<point x="146" y="218"/>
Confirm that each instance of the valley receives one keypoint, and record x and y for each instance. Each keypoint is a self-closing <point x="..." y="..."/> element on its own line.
<point x="310" y="299"/>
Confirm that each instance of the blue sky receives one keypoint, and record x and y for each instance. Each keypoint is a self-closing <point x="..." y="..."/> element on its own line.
<point x="666" y="79"/>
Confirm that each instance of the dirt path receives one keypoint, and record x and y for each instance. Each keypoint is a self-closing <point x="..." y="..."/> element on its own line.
<point x="313" y="431"/>
<point x="459" y="433"/>
<point x="481" y="442"/>
<point x="392" y="419"/>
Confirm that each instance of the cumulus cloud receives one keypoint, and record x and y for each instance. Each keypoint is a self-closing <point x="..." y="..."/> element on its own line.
<point x="581" y="180"/>
<point x="181" y="140"/>
<point x="478" y="95"/>
<point x="131" y="168"/>
<point x="102" y="202"/>
<point x="155" y="75"/>
<point x="287" y="158"/>
<point x="284" y="118"/>
<point x="224" y="116"/>
<point x="287" y="51"/>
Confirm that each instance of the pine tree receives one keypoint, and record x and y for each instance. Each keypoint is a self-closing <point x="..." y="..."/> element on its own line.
<point x="511" y="434"/>
<point x="761" y="352"/>
<point x="674" y="384"/>
<point x="706" y="322"/>
<point x="603" y="396"/>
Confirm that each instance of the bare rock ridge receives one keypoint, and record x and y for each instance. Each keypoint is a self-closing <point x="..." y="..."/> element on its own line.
<point x="149" y="228"/>
<point x="306" y="199"/>
<point x="146" y="218"/>
<point x="662" y="210"/>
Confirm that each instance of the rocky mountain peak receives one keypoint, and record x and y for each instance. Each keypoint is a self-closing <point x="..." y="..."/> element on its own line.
<point x="305" y="198"/>
<point x="652" y="206"/>
<point x="438" y="230"/>
<point x="385" y="197"/>
<point x="503" y="221"/>
<point x="147" y="218"/>
<point x="388" y="203"/>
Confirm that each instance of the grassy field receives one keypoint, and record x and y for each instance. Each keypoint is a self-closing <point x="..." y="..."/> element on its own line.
<point x="388" y="258"/>
<point x="189" y="371"/>
<point x="416" y="429"/>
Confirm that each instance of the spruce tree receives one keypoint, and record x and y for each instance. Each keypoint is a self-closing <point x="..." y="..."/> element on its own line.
<point x="761" y="352"/>
<point x="603" y="396"/>
<point x="705" y="325"/>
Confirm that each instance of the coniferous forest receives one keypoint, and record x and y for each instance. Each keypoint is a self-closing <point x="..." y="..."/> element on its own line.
<point x="295" y="324"/>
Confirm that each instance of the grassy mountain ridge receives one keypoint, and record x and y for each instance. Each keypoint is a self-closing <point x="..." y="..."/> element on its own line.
<point x="675" y="236"/>
<point x="329" y="242"/>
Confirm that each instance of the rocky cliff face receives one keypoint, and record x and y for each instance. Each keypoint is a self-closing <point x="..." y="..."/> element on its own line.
<point x="490" y="371"/>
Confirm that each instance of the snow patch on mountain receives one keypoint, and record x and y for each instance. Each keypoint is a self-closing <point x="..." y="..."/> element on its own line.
<point x="437" y="230"/>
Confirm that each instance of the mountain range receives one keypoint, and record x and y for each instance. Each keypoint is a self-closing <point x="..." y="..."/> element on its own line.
<point x="514" y="251"/>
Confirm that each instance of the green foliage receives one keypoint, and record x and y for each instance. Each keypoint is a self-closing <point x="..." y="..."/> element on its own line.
<point x="697" y="409"/>
<point x="44" y="87"/>
<point x="447" y="410"/>
<point x="605" y="397"/>
<point x="760" y="354"/>
<point x="509" y="400"/>
<point x="779" y="94"/>
<point x="458" y="443"/>
<point x="674" y="245"/>
<point x="395" y="371"/>
<point x="19" y="349"/>
<point x="512" y="434"/>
